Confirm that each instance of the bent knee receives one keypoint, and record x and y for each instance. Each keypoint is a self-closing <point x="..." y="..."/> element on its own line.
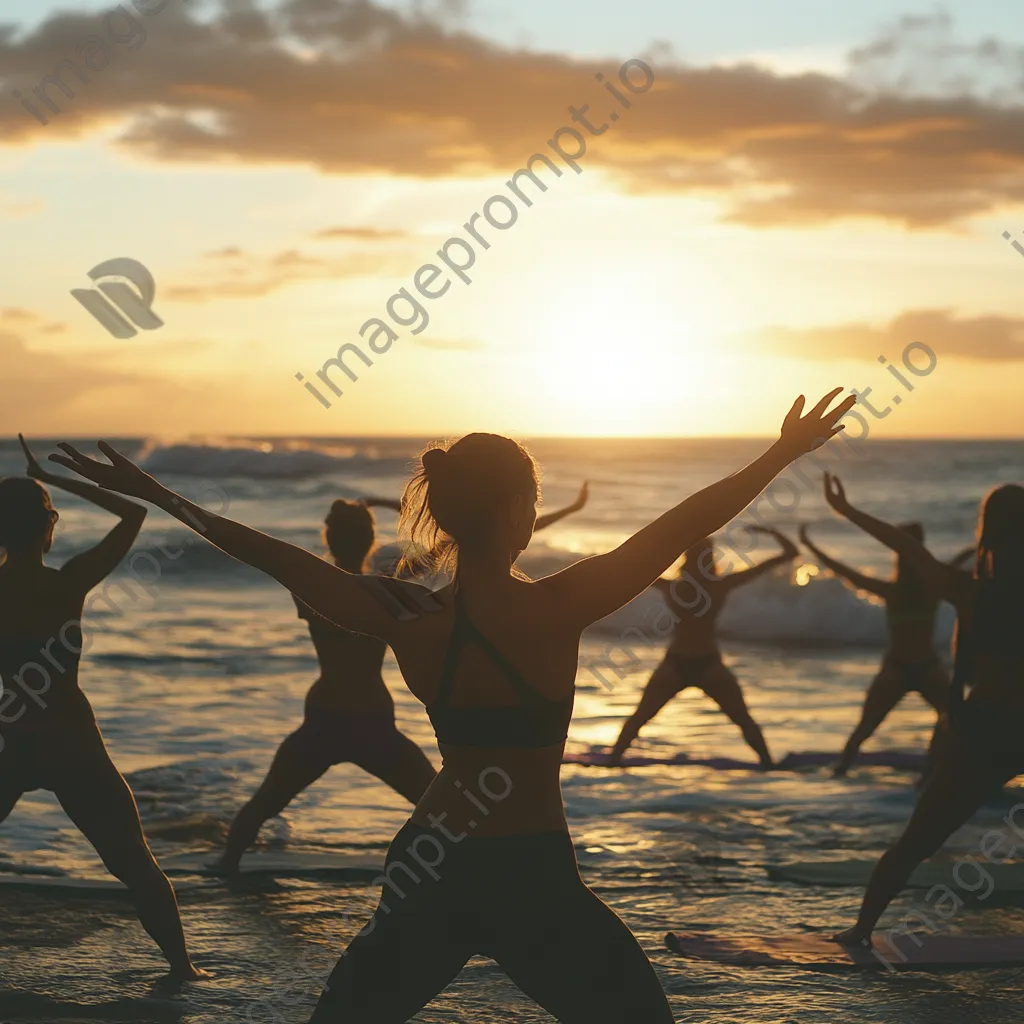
<point x="130" y="862"/>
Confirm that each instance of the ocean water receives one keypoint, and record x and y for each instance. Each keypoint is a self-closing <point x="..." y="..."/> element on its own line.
<point x="199" y="671"/>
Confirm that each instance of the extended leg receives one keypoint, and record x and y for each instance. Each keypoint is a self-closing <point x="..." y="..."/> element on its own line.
<point x="406" y="954"/>
<point x="574" y="956"/>
<point x="97" y="799"/>
<point x="887" y="689"/>
<point x="724" y="689"/>
<point x="956" y="788"/>
<point x="294" y="768"/>
<point x="663" y="685"/>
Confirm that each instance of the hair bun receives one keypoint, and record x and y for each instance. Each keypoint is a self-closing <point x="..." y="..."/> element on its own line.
<point x="433" y="459"/>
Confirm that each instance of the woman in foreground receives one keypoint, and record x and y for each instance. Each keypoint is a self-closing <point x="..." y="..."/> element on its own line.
<point x="693" y="657"/>
<point x="49" y="738"/>
<point x="349" y="713"/>
<point x="910" y="663"/>
<point x="983" y="742"/>
<point x="486" y="864"/>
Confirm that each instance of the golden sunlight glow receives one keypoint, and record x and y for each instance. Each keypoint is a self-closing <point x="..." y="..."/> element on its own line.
<point x="620" y="358"/>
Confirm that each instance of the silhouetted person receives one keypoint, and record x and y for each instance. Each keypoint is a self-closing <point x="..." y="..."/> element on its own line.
<point x="495" y="667"/>
<point x="910" y="664"/>
<point x="693" y="657"/>
<point x="50" y="739"/>
<point x="350" y="713"/>
<point x="983" y="731"/>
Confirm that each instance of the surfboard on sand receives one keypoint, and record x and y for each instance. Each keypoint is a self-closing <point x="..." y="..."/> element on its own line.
<point x="909" y="760"/>
<point x="599" y="759"/>
<point x="1007" y="878"/>
<point x="892" y="951"/>
<point x="280" y="864"/>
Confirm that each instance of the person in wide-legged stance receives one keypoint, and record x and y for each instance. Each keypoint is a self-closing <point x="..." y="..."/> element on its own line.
<point x="693" y="657"/>
<point x="49" y="738"/>
<point x="910" y="663"/>
<point x="486" y="864"/>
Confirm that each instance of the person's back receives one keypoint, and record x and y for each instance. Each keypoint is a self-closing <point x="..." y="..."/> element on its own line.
<point x="501" y="708"/>
<point x="911" y="611"/>
<point x="350" y="678"/>
<point x="696" y="632"/>
<point x="40" y="649"/>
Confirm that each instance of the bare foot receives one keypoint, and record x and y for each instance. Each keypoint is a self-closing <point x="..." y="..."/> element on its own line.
<point x="853" y="937"/>
<point x="839" y="772"/>
<point x="189" y="972"/>
<point x="767" y="766"/>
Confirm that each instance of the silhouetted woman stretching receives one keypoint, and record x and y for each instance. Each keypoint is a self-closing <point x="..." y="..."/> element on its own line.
<point x="350" y="713"/>
<point x="48" y="734"/>
<point x="910" y="663"/>
<point x="486" y="864"/>
<point x="693" y="658"/>
<point x="984" y="743"/>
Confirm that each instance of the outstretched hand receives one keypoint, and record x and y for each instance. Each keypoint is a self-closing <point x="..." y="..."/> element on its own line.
<point x="835" y="494"/>
<point x="121" y="475"/>
<point x="802" y="434"/>
<point x="583" y="497"/>
<point x="32" y="468"/>
<point x="787" y="545"/>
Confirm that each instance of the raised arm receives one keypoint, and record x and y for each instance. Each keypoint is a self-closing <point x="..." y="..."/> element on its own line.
<point x="946" y="578"/>
<point x="392" y="503"/>
<point x="597" y="586"/>
<point x="344" y="598"/>
<point x="860" y="580"/>
<point x="743" y="576"/>
<point x="87" y="569"/>
<point x="543" y="522"/>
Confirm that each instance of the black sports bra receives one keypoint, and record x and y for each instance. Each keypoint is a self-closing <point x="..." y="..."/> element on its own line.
<point x="536" y="722"/>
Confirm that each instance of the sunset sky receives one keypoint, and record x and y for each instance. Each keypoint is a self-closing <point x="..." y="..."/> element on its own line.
<point x="804" y="187"/>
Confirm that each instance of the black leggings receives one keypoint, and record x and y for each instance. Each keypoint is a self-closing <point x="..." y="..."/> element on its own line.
<point x="519" y="900"/>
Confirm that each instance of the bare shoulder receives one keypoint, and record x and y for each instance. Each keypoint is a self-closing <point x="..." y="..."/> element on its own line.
<point x="405" y="599"/>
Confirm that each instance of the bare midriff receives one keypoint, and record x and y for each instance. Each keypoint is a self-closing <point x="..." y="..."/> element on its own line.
<point x="482" y="791"/>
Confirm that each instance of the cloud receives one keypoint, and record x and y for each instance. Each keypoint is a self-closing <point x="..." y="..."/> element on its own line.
<point x="988" y="339"/>
<point x="32" y="380"/>
<point x="99" y="391"/>
<point x="18" y="315"/>
<point x="29" y="321"/>
<point x="346" y="86"/>
<point x="359" y="234"/>
<point x="12" y="206"/>
<point x="245" y="275"/>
